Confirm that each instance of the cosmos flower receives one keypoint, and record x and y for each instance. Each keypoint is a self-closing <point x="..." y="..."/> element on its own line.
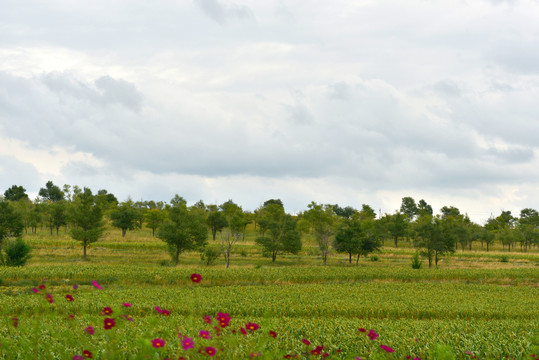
<point x="196" y="278"/>
<point x="204" y="334"/>
<point x="157" y="343"/>
<point x="187" y="343"/>
<point x="211" y="351"/>
<point x="386" y="348"/>
<point x="69" y="298"/>
<point x="97" y="286"/>
<point x="109" y="323"/>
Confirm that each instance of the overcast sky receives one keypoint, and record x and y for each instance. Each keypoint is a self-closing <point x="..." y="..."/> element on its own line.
<point x="346" y="102"/>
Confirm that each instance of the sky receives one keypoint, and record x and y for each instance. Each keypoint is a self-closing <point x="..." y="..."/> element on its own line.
<point x="341" y="102"/>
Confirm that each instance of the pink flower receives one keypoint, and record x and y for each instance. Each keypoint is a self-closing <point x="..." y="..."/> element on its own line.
<point x="107" y="311"/>
<point x="187" y="343"/>
<point x="35" y="290"/>
<point x="223" y="318"/>
<point x="306" y="342"/>
<point x="157" y="343"/>
<point x="211" y="351"/>
<point x="372" y="334"/>
<point x="207" y="319"/>
<point x="89" y="330"/>
<point x="204" y="334"/>
<point x="243" y="331"/>
<point x="162" y="311"/>
<point x="273" y="334"/>
<point x="362" y="330"/>
<point x="109" y="323"/>
<point x="69" y="298"/>
<point x="78" y="357"/>
<point x="127" y="317"/>
<point x="386" y="348"/>
<point x="97" y="286"/>
<point x="196" y="278"/>
<point x="127" y="304"/>
<point x="87" y="354"/>
<point x="49" y="298"/>
<point x="42" y="287"/>
<point x="252" y="326"/>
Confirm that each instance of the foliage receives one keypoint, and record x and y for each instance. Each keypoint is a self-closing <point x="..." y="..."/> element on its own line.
<point x="236" y="221"/>
<point x="355" y="236"/>
<point x="216" y="220"/>
<point x="86" y="217"/>
<point x="323" y="221"/>
<point x="16" y="193"/>
<point x="154" y="218"/>
<point x="209" y="255"/>
<point x="17" y="252"/>
<point x="416" y="261"/>
<point x="125" y="217"/>
<point x="51" y="192"/>
<point x="184" y="230"/>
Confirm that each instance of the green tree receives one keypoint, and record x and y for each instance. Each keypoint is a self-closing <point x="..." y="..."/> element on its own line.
<point x="278" y="231"/>
<point x="233" y="231"/>
<point x="409" y="208"/>
<point x="17" y="252"/>
<point x="11" y="224"/>
<point x="216" y="220"/>
<point x="106" y="200"/>
<point x="154" y="218"/>
<point x="86" y="218"/>
<point x="185" y="229"/>
<point x="356" y="236"/>
<point x="529" y="227"/>
<point x="125" y="217"/>
<point x="423" y="208"/>
<point x="58" y="215"/>
<point x="345" y="212"/>
<point x="51" y="192"/>
<point x="16" y="193"/>
<point x="396" y="226"/>
<point x="435" y="237"/>
<point x="323" y="221"/>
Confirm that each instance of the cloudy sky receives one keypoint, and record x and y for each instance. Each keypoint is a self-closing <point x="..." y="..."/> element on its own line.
<point x="340" y="101"/>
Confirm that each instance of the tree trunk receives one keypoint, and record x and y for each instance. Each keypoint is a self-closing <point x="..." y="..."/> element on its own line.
<point x="84" y="245"/>
<point x="214" y="232"/>
<point x="350" y="257"/>
<point x="123" y="232"/>
<point x="274" y="256"/>
<point x="396" y="239"/>
<point x="357" y="260"/>
<point x="177" y="255"/>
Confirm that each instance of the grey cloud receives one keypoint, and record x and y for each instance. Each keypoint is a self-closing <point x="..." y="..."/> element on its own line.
<point x="516" y="55"/>
<point x="15" y="172"/>
<point x="221" y="13"/>
<point x="447" y="88"/>
<point x="299" y="114"/>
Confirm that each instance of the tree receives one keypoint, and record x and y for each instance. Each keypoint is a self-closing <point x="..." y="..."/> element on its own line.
<point x="356" y="236"/>
<point x="367" y="213"/>
<point x="184" y="230"/>
<point x="106" y="200"/>
<point x="396" y="226"/>
<point x="323" y="221"/>
<point x="216" y="220"/>
<point x="11" y="224"/>
<point x="86" y="217"/>
<point x="235" y="224"/>
<point x="346" y="212"/>
<point x="278" y="231"/>
<point x="58" y="213"/>
<point x="16" y="193"/>
<point x="529" y="226"/>
<point x="51" y="192"/>
<point x="125" y="217"/>
<point x="423" y="208"/>
<point x="435" y="236"/>
<point x="409" y="208"/>
<point x="154" y="218"/>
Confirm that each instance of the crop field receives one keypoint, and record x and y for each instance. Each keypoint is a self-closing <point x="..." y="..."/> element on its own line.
<point x="127" y="302"/>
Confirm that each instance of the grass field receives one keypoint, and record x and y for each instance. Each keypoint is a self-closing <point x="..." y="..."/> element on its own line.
<point x="473" y="306"/>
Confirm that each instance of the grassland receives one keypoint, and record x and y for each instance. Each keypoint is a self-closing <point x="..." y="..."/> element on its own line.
<point x="473" y="306"/>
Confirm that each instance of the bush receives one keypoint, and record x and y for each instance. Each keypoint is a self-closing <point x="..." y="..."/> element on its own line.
<point x="504" y="258"/>
<point x="416" y="261"/>
<point x="375" y="258"/>
<point x="209" y="255"/>
<point x="17" y="253"/>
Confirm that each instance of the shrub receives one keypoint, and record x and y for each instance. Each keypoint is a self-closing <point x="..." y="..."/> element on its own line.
<point x="209" y="255"/>
<point x="17" y="253"/>
<point x="375" y="258"/>
<point x="416" y="261"/>
<point x="504" y="258"/>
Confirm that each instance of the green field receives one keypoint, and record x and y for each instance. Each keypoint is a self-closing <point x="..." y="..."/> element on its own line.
<point x="473" y="306"/>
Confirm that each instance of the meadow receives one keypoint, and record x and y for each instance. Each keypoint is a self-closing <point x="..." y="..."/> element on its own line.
<point x="472" y="306"/>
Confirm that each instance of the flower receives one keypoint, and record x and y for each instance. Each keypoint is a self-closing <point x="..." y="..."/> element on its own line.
<point x="196" y="278"/>
<point x="204" y="334"/>
<point x="42" y="286"/>
<point x="243" y="331"/>
<point x="207" y="319"/>
<point x="306" y="342"/>
<point x="35" y="290"/>
<point x="386" y="348"/>
<point x="317" y="350"/>
<point x="107" y="311"/>
<point x="78" y="357"/>
<point x="362" y="330"/>
<point x="69" y="297"/>
<point x="109" y="323"/>
<point x="75" y="286"/>
<point x="97" y="286"/>
<point x="223" y="318"/>
<point x="127" y="317"/>
<point x="252" y="326"/>
<point x="165" y="312"/>
<point x="89" y="330"/>
<point x="210" y="351"/>
<point x="273" y="334"/>
<point x="187" y="343"/>
<point x="157" y="343"/>
<point x="127" y="304"/>
<point x="15" y="322"/>
<point x="87" y="354"/>
<point x="372" y="334"/>
<point x="49" y="298"/>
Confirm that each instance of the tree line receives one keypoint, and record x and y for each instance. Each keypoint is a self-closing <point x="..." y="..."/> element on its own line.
<point x="355" y="232"/>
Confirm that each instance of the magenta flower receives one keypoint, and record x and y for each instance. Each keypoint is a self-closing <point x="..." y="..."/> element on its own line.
<point x="204" y="334"/>
<point x="273" y="334"/>
<point x="196" y="278"/>
<point x="386" y="348"/>
<point x="35" y="290"/>
<point x="157" y="343"/>
<point x="127" y="304"/>
<point x="207" y="319"/>
<point x="69" y="298"/>
<point x="127" y="317"/>
<point x="97" y="286"/>
<point x="362" y="330"/>
<point x="372" y="334"/>
<point x="223" y="318"/>
<point x="107" y="311"/>
<point x="243" y="331"/>
<point x="306" y="342"/>
<point x="211" y="351"/>
<point x="109" y="323"/>
<point x="252" y="326"/>
<point x="49" y="298"/>
<point x="78" y="357"/>
<point x="187" y="343"/>
<point x="89" y="330"/>
<point x="42" y="287"/>
<point x="87" y="354"/>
